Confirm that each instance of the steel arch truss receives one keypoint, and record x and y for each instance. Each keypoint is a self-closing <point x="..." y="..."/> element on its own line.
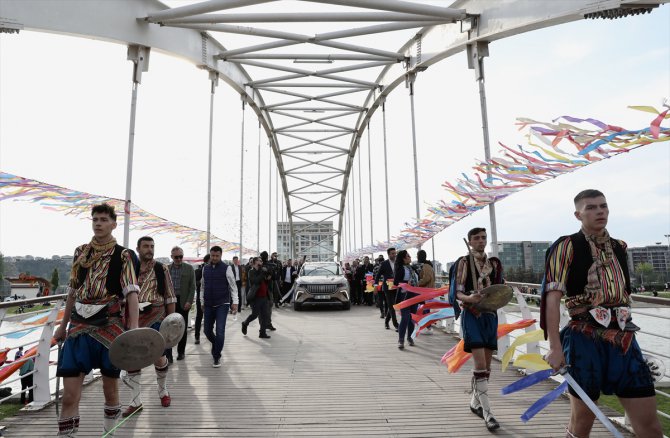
<point x="314" y="94"/>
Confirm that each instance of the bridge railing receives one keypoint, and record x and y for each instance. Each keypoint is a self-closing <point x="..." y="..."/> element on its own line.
<point x="42" y="347"/>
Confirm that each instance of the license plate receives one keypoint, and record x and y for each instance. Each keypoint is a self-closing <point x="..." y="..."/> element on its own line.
<point x="322" y="297"/>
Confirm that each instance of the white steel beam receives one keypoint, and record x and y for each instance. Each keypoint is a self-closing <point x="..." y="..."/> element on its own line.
<point x="400" y="6"/>
<point x="200" y="8"/>
<point x="303" y="17"/>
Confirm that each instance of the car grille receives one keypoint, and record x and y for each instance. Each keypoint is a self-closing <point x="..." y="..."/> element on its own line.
<point x="321" y="288"/>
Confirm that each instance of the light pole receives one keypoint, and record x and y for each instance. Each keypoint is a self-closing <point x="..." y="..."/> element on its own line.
<point x="667" y="259"/>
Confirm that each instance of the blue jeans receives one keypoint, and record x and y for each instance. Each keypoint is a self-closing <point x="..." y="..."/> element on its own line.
<point x="406" y="323"/>
<point x="217" y="315"/>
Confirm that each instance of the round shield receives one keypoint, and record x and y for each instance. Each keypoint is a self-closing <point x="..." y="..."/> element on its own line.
<point x="656" y="367"/>
<point x="172" y="329"/>
<point x="136" y="349"/>
<point x="495" y="297"/>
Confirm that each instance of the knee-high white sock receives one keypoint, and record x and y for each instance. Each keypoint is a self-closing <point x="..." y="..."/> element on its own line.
<point x="68" y="427"/>
<point x="132" y="380"/>
<point x="112" y="413"/>
<point x="482" y="388"/>
<point x="161" y="379"/>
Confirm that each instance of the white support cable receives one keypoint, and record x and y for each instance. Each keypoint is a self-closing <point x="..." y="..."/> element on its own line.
<point x="353" y="199"/>
<point x="360" y="192"/>
<point x="241" y="250"/>
<point x="214" y="79"/>
<point x="270" y="200"/>
<point x="386" y="174"/>
<point x="412" y="77"/>
<point x="370" y="185"/>
<point x="258" y="194"/>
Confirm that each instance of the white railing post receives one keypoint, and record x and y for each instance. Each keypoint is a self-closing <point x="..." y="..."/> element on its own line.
<point x="41" y="378"/>
<point x="503" y="343"/>
<point x="531" y="347"/>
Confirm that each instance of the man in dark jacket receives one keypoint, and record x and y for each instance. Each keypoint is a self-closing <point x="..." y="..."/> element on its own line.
<point x="198" y="305"/>
<point x="366" y="267"/>
<point x="219" y="291"/>
<point x="386" y="272"/>
<point x="288" y="274"/>
<point x="272" y="285"/>
<point x="258" y="295"/>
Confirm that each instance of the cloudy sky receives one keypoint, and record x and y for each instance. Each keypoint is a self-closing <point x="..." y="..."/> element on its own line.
<point x="64" y="109"/>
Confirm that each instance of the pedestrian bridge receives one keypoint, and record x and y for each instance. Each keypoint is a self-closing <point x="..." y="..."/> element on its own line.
<point x="324" y="373"/>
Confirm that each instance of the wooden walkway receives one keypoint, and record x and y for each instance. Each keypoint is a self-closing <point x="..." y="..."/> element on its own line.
<point x="323" y="373"/>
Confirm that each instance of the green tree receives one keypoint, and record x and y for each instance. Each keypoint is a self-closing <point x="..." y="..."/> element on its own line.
<point x="54" y="279"/>
<point x="645" y="270"/>
<point x="2" y="266"/>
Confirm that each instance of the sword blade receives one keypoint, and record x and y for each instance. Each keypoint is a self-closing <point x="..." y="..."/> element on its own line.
<point x="592" y="406"/>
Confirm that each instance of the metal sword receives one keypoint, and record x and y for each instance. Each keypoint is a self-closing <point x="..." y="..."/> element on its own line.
<point x="589" y="403"/>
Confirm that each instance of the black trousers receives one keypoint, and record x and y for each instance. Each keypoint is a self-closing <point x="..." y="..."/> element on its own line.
<point x="198" y="316"/>
<point x="381" y="302"/>
<point x="239" y="295"/>
<point x="356" y="292"/>
<point x="26" y="382"/>
<point x="284" y="290"/>
<point x="260" y="309"/>
<point x="390" y="313"/>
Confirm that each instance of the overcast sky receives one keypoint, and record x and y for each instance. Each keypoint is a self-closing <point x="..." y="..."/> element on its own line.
<point x="64" y="109"/>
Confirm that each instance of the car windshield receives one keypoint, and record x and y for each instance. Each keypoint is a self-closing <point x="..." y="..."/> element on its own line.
<point x="321" y="270"/>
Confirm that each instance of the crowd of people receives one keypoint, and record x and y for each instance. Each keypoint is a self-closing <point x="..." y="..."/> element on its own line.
<point x="113" y="289"/>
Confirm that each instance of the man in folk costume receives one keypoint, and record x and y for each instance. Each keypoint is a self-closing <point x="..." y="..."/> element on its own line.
<point x="102" y="275"/>
<point x="473" y="273"/>
<point x="156" y="299"/>
<point x="590" y="269"/>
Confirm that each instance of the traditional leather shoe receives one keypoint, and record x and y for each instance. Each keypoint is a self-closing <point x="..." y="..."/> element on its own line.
<point x="165" y="401"/>
<point x="131" y="410"/>
<point x="491" y="423"/>
<point x="477" y="411"/>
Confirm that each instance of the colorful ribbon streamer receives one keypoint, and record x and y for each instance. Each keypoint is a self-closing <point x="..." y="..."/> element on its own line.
<point x="534" y="336"/>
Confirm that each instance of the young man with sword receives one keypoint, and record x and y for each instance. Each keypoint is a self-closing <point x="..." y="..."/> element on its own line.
<point x="598" y="345"/>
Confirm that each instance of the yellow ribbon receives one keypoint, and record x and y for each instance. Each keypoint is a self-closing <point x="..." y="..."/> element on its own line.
<point x="534" y="336"/>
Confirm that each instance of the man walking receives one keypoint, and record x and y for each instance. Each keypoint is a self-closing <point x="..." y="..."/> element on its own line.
<point x="237" y="273"/>
<point x="479" y="328"/>
<point x="198" y="304"/>
<point x="387" y="272"/>
<point x="271" y="268"/>
<point x="366" y="268"/>
<point x="258" y="297"/>
<point x="287" y="276"/>
<point x="27" y="380"/>
<point x="156" y="300"/>
<point x="219" y="290"/>
<point x="590" y="269"/>
<point x="102" y="276"/>
<point x="183" y="282"/>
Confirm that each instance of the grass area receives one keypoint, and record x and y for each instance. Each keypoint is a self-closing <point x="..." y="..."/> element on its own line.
<point x="663" y="405"/>
<point x="35" y="308"/>
<point x="10" y="408"/>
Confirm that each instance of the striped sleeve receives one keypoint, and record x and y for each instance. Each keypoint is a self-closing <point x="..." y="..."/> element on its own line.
<point x="461" y="275"/>
<point x="558" y="266"/>
<point x="128" y="277"/>
<point x="170" y="296"/>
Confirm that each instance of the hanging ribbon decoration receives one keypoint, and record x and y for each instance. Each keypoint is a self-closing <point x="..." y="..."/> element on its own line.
<point x="72" y="202"/>
<point x="554" y="148"/>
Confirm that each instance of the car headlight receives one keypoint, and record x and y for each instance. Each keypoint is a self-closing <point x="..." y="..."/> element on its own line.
<point x="342" y="285"/>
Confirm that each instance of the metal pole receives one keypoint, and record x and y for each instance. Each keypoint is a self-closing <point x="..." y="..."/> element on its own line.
<point x="370" y="183"/>
<point x="276" y="199"/>
<point x="214" y="78"/>
<point x="349" y="219"/>
<point x="432" y="242"/>
<point x="360" y="192"/>
<point x="242" y="179"/>
<point x="353" y="200"/>
<point x="487" y="155"/>
<point x="129" y="167"/>
<point x="258" y="193"/>
<point x="270" y="200"/>
<point x="411" y="78"/>
<point x="386" y="174"/>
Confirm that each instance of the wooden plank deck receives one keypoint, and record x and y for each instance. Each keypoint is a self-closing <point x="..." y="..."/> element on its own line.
<point x="323" y="373"/>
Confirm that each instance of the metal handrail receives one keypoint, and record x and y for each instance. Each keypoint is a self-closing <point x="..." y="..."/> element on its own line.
<point x="41" y="386"/>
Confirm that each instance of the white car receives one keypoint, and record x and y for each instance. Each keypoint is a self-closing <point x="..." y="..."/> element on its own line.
<point x="321" y="283"/>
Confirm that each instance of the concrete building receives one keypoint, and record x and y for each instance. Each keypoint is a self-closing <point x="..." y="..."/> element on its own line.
<point x="657" y="256"/>
<point x="525" y="254"/>
<point x="315" y="241"/>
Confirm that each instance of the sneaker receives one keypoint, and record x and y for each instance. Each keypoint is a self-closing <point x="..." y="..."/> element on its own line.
<point x="217" y="363"/>
<point x="401" y="345"/>
<point x="411" y="342"/>
<point x="131" y="410"/>
<point x="264" y="336"/>
<point x="165" y="401"/>
<point x="244" y="328"/>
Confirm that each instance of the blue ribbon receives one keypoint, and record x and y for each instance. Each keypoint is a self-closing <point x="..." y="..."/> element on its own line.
<point x="543" y="402"/>
<point x="527" y="381"/>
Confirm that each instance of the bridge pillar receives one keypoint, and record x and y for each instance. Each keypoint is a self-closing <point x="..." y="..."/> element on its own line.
<point x="42" y="392"/>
